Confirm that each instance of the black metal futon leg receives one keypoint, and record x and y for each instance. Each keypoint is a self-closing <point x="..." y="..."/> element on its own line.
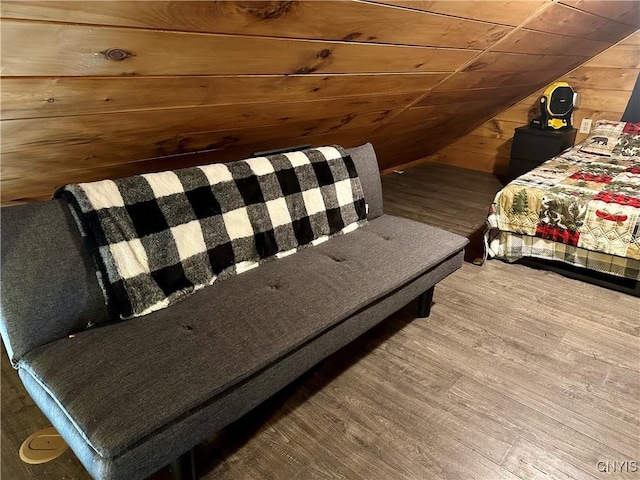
<point x="183" y="467"/>
<point x="424" y="303"/>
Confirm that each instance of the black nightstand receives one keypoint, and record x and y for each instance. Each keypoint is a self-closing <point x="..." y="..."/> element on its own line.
<point x="532" y="146"/>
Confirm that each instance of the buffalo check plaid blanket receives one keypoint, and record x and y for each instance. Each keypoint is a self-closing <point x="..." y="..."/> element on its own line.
<point x="161" y="236"/>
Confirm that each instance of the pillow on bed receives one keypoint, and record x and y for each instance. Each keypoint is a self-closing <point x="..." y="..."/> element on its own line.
<point x="603" y="138"/>
<point x="628" y="144"/>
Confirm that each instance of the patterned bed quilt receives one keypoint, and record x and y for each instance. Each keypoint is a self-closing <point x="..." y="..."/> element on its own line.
<point x="578" y="199"/>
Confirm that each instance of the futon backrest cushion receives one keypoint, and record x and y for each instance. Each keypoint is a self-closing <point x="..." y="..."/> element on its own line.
<point x="48" y="280"/>
<point x="366" y="162"/>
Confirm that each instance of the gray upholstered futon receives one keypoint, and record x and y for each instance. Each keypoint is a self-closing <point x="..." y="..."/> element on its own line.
<point x="132" y="396"/>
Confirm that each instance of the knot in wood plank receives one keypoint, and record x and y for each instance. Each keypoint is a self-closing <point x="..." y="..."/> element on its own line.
<point x="117" y="54"/>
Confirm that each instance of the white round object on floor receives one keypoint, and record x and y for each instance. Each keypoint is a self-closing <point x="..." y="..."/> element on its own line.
<point x="43" y="446"/>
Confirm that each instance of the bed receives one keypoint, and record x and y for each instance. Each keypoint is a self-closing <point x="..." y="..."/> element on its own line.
<point x="577" y="213"/>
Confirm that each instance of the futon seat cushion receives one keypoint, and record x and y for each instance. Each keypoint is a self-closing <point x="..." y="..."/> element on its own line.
<point x="126" y="380"/>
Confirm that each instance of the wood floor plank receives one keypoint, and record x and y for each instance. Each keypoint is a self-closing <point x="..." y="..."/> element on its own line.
<point x="572" y="447"/>
<point x="410" y="428"/>
<point x="514" y="344"/>
<point x="564" y="389"/>
<point x="350" y="416"/>
<point x="607" y="308"/>
<point x="616" y="402"/>
<point x="341" y="420"/>
<point x="531" y="462"/>
<point x="609" y="346"/>
<point x="622" y="383"/>
<point x="442" y="416"/>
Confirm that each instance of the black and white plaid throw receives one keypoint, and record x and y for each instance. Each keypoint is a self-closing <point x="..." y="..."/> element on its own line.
<point x="161" y="236"/>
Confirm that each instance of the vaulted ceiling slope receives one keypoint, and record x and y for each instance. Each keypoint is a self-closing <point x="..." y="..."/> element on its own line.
<point x="93" y="90"/>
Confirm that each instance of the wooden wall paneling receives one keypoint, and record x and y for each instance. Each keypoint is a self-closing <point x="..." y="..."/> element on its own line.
<point x="114" y="150"/>
<point x="399" y="152"/>
<point x="457" y="109"/>
<point x="84" y="137"/>
<point x="602" y="99"/>
<point x="624" y="56"/>
<point x="484" y="79"/>
<point x="486" y="152"/>
<point x="415" y="125"/>
<point x="92" y="87"/>
<point x="394" y="152"/>
<point x="484" y="162"/>
<point x="494" y="158"/>
<point x="447" y="97"/>
<point x="64" y="96"/>
<point x="149" y="128"/>
<point x="73" y="50"/>
<point x="564" y="20"/>
<point x="331" y="20"/>
<point x="631" y="39"/>
<point x="507" y="13"/>
<point x="462" y="119"/>
<point x="486" y="147"/>
<point x="604" y="88"/>
<point x="478" y="144"/>
<point x="625" y="11"/>
<point x="416" y="114"/>
<point x="497" y="128"/>
<point x="517" y="62"/>
<point x="394" y="141"/>
<point x="495" y="98"/>
<point x="602" y="77"/>
<point x="273" y="134"/>
<point x="532" y="42"/>
<point x="24" y="189"/>
<point x="398" y="149"/>
<point x="524" y="110"/>
<point x="605" y="82"/>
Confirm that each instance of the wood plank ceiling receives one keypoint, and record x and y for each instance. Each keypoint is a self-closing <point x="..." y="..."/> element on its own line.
<point x="100" y="89"/>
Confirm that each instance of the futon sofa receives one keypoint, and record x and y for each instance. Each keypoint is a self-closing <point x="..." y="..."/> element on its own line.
<point x="130" y="397"/>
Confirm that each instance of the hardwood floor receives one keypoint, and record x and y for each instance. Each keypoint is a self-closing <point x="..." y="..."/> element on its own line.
<point x="452" y="198"/>
<point x="517" y="374"/>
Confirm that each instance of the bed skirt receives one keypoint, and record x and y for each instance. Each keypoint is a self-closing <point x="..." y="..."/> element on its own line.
<point x="512" y="247"/>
